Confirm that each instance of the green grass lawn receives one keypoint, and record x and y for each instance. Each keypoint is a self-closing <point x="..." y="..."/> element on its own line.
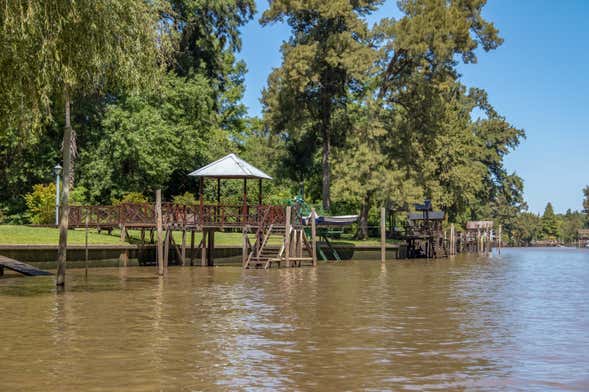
<point x="25" y="235"/>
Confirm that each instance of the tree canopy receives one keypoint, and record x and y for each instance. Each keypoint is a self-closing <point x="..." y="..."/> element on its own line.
<point x="356" y="116"/>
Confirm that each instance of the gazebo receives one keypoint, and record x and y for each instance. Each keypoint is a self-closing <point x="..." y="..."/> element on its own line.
<point x="230" y="167"/>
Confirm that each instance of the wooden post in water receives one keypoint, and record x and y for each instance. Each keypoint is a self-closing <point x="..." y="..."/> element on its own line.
<point x="499" y="238"/>
<point x="192" y="234"/>
<point x="183" y="247"/>
<point x="287" y="237"/>
<point x="313" y="237"/>
<point x="160" y="245"/>
<point x="383" y="235"/>
<point x="86" y="248"/>
<point x="203" y="249"/>
<point x="243" y="246"/>
<point x="211" y="248"/>
<point x="452" y="240"/>
<point x="167" y="248"/>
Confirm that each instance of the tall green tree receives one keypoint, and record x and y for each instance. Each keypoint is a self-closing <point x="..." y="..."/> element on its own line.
<point x="324" y="63"/>
<point x="570" y="224"/>
<point x="550" y="229"/>
<point x="527" y="228"/>
<point x="586" y="199"/>
<point x="52" y="53"/>
<point x="457" y="161"/>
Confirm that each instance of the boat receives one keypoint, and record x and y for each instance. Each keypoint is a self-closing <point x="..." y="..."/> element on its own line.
<point x="336" y="220"/>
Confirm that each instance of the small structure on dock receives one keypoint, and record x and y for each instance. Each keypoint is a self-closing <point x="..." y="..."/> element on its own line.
<point x="251" y="218"/>
<point x="425" y="235"/>
<point x="478" y="237"/>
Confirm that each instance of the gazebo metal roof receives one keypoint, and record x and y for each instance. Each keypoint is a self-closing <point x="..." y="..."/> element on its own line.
<point x="230" y="166"/>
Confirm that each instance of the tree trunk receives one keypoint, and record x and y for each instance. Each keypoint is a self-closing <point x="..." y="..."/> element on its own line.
<point x="65" y="208"/>
<point x="362" y="233"/>
<point x="326" y="169"/>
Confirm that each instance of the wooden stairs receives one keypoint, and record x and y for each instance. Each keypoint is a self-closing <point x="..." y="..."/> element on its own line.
<point x="294" y="244"/>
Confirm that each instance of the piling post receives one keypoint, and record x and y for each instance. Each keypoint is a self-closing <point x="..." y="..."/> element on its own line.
<point x="160" y="245"/>
<point x="313" y="236"/>
<point x="211" y="249"/>
<point x="192" y="234"/>
<point x="183" y="248"/>
<point x="203" y="249"/>
<point x="86" y="248"/>
<point x="499" y="238"/>
<point x="243" y="246"/>
<point x="167" y="248"/>
<point x="383" y="235"/>
<point x="287" y="237"/>
<point x="452" y="240"/>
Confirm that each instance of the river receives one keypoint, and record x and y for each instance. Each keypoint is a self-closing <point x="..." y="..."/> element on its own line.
<point x="515" y="321"/>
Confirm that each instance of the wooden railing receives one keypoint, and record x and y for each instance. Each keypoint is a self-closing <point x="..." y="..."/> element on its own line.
<point x="143" y="214"/>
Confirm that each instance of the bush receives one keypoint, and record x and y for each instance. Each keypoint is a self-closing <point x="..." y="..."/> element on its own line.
<point x="41" y="204"/>
<point x="78" y="196"/>
<point x="185" y="199"/>
<point x="130" y="197"/>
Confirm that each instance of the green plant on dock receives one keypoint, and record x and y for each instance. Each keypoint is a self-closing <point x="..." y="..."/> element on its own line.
<point x="41" y="204"/>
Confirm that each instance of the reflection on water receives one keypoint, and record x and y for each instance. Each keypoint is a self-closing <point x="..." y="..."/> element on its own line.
<point x="515" y="321"/>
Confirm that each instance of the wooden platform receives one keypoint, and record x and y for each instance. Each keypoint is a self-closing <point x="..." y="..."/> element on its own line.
<point x="20" y="267"/>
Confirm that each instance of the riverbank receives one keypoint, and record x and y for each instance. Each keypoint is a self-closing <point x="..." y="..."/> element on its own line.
<point x="23" y="235"/>
<point x="38" y="245"/>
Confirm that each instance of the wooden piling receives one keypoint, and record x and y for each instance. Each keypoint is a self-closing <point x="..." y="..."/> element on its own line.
<point x="86" y="248"/>
<point x="160" y="245"/>
<point x="167" y="248"/>
<point x="183" y="247"/>
<point x="499" y="238"/>
<point x="452" y="240"/>
<point x="383" y="235"/>
<point x="203" y="249"/>
<point x="211" y="248"/>
<point x="287" y="237"/>
<point x="244" y="252"/>
<point x="192" y="234"/>
<point x="314" y="236"/>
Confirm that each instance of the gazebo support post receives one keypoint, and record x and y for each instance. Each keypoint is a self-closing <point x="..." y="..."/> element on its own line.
<point x="218" y="214"/>
<point x="244" y="211"/>
<point x="201" y="201"/>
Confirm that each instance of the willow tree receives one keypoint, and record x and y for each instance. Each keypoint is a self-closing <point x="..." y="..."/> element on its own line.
<point x="323" y="64"/>
<point x="52" y="52"/>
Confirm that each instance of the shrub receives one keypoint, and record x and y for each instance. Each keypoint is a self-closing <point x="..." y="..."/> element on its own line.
<point x="130" y="197"/>
<point x="41" y="204"/>
<point x="78" y="195"/>
<point x="186" y="199"/>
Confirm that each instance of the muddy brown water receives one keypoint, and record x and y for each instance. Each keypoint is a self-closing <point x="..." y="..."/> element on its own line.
<point x="519" y="321"/>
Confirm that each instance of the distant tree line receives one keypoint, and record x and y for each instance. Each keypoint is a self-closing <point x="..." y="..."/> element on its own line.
<point x="356" y="116"/>
<point x="564" y="228"/>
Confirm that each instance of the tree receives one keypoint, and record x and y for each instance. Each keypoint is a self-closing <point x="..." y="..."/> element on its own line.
<point x="323" y="64"/>
<point x="586" y="199"/>
<point x="53" y="54"/>
<point x="550" y="229"/>
<point x="457" y="161"/>
<point x="527" y="228"/>
<point x="153" y="140"/>
<point x="570" y="224"/>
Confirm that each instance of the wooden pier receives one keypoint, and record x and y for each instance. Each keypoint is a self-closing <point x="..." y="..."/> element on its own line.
<point x="257" y="219"/>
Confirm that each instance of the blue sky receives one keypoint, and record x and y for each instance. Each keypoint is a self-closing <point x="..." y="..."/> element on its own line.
<point x="538" y="79"/>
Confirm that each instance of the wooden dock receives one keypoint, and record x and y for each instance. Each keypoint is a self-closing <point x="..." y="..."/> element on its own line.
<point x="20" y="267"/>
